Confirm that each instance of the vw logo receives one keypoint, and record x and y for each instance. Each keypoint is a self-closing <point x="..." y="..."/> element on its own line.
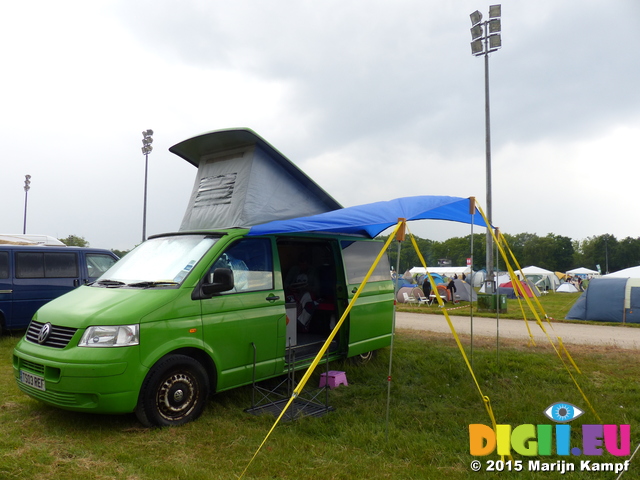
<point x="44" y="333"/>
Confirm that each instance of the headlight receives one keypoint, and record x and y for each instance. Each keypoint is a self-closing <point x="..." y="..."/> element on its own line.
<point x="111" y="336"/>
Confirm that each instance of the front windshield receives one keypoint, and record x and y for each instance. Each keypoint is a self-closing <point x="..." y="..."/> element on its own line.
<point x="163" y="260"/>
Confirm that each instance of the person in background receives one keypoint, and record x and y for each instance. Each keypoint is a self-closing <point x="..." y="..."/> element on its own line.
<point x="451" y="287"/>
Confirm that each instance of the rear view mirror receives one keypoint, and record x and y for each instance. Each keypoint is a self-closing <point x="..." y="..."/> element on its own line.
<point x="221" y="280"/>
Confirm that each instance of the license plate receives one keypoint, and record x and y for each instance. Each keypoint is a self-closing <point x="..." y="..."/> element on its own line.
<point x="32" y="380"/>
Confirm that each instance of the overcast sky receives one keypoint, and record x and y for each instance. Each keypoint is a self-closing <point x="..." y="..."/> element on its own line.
<point x="373" y="99"/>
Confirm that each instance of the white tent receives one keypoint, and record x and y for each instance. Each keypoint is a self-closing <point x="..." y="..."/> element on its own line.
<point x="567" y="288"/>
<point x="443" y="271"/>
<point x="582" y="271"/>
<point x="542" y="278"/>
<point x="632" y="272"/>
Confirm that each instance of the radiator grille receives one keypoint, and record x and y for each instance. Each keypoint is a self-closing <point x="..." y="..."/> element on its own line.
<point x="58" y="338"/>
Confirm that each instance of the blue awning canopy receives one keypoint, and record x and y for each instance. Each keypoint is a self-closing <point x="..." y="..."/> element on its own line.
<point x="373" y="218"/>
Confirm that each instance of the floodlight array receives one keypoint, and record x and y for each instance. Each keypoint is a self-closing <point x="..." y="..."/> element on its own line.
<point x="485" y="36"/>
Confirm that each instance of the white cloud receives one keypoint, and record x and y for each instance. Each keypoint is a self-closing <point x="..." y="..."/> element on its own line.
<point x="373" y="100"/>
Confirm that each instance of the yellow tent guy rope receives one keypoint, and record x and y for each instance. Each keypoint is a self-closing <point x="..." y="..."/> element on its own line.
<point x="540" y="307"/>
<point x="526" y="298"/>
<point x="485" y="399"/>
<point x="324" y="348"/>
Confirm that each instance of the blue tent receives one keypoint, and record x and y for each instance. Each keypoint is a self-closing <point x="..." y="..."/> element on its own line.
<point x="608" y="300"/>
<point x="373" y="218"/>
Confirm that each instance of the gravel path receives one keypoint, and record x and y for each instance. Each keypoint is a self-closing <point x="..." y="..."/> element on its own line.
<point x="570" y="333"/>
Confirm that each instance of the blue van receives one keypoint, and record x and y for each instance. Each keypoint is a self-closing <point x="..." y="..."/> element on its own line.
<point x="32" y="275"/>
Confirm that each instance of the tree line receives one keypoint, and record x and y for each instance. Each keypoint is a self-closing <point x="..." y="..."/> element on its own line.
<point x="552" y="252"/>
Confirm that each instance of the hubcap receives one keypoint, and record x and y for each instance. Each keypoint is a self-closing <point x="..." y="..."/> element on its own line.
<point x="177" y="396"/>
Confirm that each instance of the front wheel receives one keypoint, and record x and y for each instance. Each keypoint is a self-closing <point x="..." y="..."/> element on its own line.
<point x="174" y="392"/>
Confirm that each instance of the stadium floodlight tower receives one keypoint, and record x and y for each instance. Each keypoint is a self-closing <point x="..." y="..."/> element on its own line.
<point x="147" y="140"/>
<point x="27" y="186"/>
<point x="485" y="39"/>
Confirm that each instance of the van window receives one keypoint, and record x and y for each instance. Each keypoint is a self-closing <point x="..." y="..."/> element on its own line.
<point x="251" y="261"/>
<point x="161" y="259"/>
<point x="46" y="265"/>
<point x="4" y="264"/>
<point x="98" y="263"/>
<point x="358" y="258"/>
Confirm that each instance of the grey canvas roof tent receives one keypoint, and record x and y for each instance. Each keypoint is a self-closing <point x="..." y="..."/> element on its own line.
<point x="243" y="181"/>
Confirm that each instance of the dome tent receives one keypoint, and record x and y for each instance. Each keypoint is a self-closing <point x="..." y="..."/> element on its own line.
<point x="609" y="299"/>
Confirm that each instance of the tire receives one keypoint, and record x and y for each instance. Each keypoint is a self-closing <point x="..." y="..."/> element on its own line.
<point x="175" y="392"/>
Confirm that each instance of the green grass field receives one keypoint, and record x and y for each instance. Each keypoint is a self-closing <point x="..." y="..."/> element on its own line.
<point x="555" y="305"/>
<point x="433" y="400"/>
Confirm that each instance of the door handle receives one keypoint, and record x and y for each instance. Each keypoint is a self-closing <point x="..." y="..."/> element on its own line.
<point x="272" y="298"/>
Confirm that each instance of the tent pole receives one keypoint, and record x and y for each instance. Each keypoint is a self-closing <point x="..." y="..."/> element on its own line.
<point x="497" y="259"/>
<point x="472" y="211"/>
<point x="400" y="238"/>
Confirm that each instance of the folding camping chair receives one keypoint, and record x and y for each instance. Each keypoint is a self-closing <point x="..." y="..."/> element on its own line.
<point x="408" y="298"/>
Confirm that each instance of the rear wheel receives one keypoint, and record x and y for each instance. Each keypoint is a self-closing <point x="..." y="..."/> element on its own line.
<point x="364" y="358"/>
<point x="174" y="392"/>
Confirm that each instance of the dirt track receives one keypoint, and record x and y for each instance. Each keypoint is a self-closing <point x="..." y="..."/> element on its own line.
<point x="570" y="333"/>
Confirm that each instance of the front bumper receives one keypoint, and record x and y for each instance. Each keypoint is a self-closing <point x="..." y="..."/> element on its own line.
<point x="98" y="380"/>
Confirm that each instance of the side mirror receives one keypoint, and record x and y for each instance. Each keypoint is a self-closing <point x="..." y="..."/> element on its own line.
<point x="221" y="280"/>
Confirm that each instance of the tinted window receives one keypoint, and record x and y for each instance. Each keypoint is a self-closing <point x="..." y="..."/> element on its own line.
<point x="97" y="264"/>
<point x="358" y="259"/>
<point x="60" y="265"/>
<point x="49" y="265"/>
<point x="29" y="265"/>
<point x="4" y="264"/>
<point x="251" y="262"/>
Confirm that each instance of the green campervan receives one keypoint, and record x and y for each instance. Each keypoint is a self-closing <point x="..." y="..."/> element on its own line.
<point x="216" y="305"/>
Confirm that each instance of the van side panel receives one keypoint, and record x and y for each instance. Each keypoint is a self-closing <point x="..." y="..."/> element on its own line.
<point x="6" y="289"/>
<point x="249" y="320"/>
<point x="371" y="318"/>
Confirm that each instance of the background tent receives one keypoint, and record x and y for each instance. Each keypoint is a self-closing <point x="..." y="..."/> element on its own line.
<point x="443" y="271"/>
<point x="545" y="280"/>
<point x="436" y="278"/>
<point x="413" y="291"/>
<point x="529" y="292"/>
<point x="611" y="299"/>
<point x="582" y="272"/>
<point x="567" y="288"/>
<point x="502" y="278"/>
<point x="632" y="272"/>
<point x="464" y="290"/>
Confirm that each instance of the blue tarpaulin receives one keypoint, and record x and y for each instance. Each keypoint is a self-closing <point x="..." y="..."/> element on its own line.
<point x="373" y="218"/>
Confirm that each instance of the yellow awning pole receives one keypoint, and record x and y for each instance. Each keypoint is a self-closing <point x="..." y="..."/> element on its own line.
<point x="325" y="347"/>
<point x="485" y="399"/>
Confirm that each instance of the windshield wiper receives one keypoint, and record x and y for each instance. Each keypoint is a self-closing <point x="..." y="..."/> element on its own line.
<point x="110" y="283"/>
<point x="147" y="284"/>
